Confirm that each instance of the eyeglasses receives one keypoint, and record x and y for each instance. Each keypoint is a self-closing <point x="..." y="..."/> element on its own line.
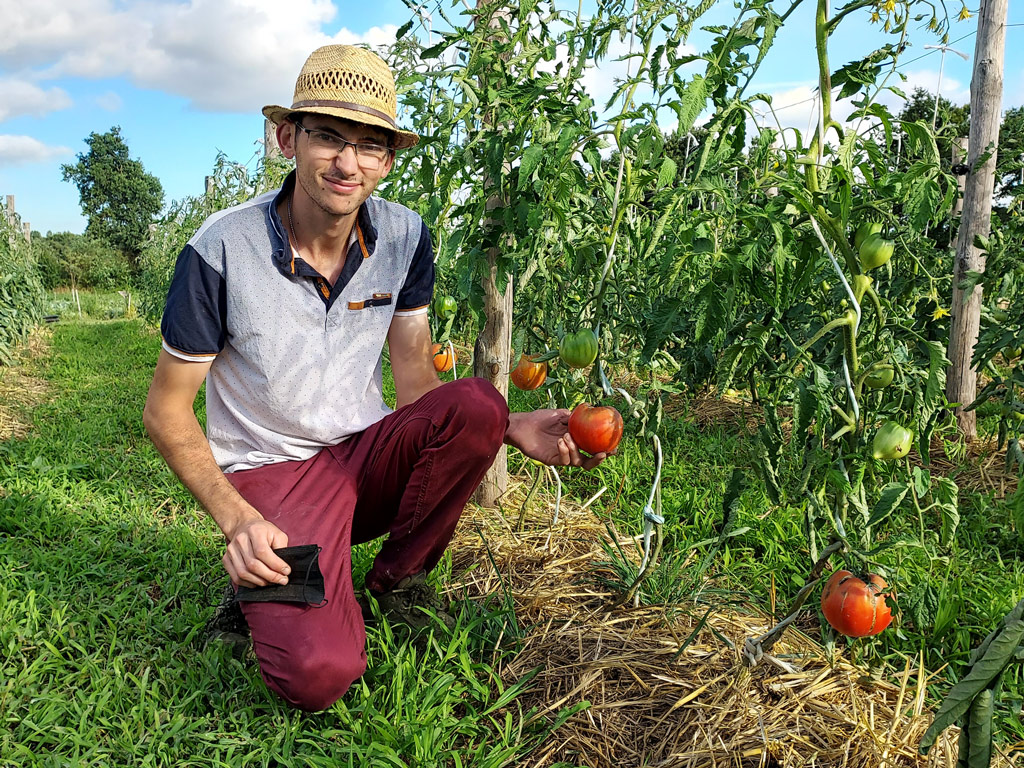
<point x="326" y="144"/>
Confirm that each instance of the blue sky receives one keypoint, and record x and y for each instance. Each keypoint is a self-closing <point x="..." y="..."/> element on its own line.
<point x="185" y="80"/>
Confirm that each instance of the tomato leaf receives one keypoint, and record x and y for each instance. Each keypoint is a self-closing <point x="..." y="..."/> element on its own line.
<point x="891" y="497"/>
<point x="947" y="497"/>
<point x="986" y="669"/>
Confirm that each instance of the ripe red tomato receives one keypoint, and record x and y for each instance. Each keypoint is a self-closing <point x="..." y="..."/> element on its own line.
<point x="595" y="429"/>
<point x="443" y="358"/>
<point x="856" y="607"/>
<point x="529" y="375"/>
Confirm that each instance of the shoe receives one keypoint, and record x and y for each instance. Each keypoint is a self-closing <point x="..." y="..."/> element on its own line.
<point x="227" y="626"/>
<point x="412" y="601"/>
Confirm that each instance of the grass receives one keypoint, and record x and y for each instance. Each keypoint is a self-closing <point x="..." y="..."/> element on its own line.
<point x="109" y="571"/>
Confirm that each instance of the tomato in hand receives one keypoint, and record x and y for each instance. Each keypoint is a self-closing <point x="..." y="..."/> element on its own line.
<point x="529" y="375"/>
<point x="856" y="607"/>
<point x="444" y="357"/>
<point x="595" y="429"/>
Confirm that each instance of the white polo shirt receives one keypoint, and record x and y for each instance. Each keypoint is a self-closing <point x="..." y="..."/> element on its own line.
<point x="297" y="363"/>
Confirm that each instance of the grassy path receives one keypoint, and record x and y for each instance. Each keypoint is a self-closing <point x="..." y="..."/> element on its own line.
<point x="108" y="571"/>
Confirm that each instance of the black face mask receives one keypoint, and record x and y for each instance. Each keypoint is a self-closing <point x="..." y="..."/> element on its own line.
<point x="305" y="582"/>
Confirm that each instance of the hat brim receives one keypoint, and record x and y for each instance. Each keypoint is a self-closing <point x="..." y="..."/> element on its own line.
<point x="402" y="139"/>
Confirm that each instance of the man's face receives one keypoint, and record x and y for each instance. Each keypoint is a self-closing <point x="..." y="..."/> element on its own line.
<point x="337" y="183"/>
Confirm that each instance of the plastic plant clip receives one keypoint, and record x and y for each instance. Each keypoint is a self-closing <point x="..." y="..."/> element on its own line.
<point x="652" y="521"/>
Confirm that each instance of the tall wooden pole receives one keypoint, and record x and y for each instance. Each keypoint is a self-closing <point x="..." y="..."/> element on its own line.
<point x="965" y="310"/>
<point x="493" y="347"/>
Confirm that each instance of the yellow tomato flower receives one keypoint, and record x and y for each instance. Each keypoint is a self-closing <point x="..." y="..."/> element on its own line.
<point x="939" y="313"/>
<point x="890" y="5"/>
<point x="875" y="17"/>
<point x="964" y="14"/>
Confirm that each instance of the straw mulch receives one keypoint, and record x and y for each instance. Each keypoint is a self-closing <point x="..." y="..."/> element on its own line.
<point x="19" y="391"/>
<point x="651" y="704"/>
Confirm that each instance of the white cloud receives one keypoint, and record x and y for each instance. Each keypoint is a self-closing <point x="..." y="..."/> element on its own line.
<point x="109" y="101"/>
<point x="24" y="150"/>
<point x="220" y="55"/>
<point x="21" y="97"/>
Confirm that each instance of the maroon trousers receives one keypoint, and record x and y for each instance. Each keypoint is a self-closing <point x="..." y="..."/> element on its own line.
<point x="408" y="476"/>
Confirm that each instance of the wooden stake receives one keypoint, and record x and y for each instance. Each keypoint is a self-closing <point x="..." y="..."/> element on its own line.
<point x="493" y="348"/>
<point x="965" y="310"/>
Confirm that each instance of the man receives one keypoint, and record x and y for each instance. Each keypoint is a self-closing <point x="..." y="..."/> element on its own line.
<point x="283" y="306"/>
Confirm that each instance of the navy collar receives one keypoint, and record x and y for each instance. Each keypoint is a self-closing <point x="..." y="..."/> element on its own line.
<point x="282" y="254"/>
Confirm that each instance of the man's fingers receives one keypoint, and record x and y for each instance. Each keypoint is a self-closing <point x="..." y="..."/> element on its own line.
<point x="574" y="453"/>
<point x="275" y="568"/>
<point x="594" y="460"/>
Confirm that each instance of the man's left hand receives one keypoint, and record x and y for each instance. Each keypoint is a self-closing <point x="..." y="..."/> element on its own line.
<point x="544" y="435"/>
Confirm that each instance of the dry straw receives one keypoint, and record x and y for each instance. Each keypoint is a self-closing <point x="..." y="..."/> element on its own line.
<point x="18" y="390"/>
<point x="656" y="699"/>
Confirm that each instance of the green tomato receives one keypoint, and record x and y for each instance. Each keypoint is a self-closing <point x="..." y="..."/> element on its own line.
<point x="445" y="307"/>
<point x="875" y="251"/>
<point x="1011" y="353"/>
<point x="1014" y="410"/>
<point x="578" y="350"/>
<point x="892" y="441"/>
<point x="880" y="377"/>
<point x="865" y="230"/>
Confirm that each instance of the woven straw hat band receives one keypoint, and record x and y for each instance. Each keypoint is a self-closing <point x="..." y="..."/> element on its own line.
<point x="348" y="82"/>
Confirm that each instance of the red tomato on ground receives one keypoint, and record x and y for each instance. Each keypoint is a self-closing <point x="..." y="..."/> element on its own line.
<point x="444" y="358"/>
<point x="856" y="607"/>
<point x="529" y="375"/>
<point x="595" y="429"/>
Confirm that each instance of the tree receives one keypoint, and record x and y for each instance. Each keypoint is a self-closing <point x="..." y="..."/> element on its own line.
<point x="116" y="193"/>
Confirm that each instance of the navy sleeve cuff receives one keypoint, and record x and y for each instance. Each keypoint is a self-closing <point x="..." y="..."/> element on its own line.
<point x="419" y="283"/>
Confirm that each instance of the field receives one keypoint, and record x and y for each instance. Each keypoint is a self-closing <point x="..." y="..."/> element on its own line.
<point x="110" y="572"/>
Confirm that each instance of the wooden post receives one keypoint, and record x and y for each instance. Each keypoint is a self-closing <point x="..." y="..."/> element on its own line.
<point x="270" y="148"/>
<point x="12" y="220"/>
<point x="965" y="310"/>
<point x="493" y="347"/>
<point x="27" y="229"/>
<point x="959" y="157"/>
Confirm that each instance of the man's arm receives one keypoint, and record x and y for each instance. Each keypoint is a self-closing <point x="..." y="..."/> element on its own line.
<point x="411" y="363"/>
<point x="175" y="431"/>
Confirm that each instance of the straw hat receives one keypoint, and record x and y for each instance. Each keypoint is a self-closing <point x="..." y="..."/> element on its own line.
<point x="348" y="82"/>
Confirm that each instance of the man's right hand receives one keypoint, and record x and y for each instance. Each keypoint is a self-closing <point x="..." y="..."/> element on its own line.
<point x="250" y="558"/>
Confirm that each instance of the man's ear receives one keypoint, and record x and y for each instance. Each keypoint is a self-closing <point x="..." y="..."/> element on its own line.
<point x="286" y="138"/>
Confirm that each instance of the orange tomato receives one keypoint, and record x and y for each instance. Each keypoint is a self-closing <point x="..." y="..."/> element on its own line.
<point x="529" y="375"/>
<point x="444" y="357"/>
<point x="856" y="607"/>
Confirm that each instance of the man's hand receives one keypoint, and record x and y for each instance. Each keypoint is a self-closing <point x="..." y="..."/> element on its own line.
<point x="250" y="558"/>
<point x="544" y="435"/>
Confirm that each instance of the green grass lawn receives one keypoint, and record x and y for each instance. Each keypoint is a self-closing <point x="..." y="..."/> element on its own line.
<point x="109" y="571"/>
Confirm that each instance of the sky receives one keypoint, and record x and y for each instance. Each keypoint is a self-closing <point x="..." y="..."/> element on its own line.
<point x="187" y="79"/>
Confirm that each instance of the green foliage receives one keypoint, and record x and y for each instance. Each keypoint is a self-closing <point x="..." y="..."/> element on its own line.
<point x="21" y="288"/>
<point x="117" y="195"/>
<point x="67" y="259"/>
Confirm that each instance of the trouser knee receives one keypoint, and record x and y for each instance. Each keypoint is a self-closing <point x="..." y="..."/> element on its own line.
<point x="314" y="687"/>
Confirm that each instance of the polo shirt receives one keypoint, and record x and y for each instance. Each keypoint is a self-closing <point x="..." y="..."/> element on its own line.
<point x="296" y="362"/>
